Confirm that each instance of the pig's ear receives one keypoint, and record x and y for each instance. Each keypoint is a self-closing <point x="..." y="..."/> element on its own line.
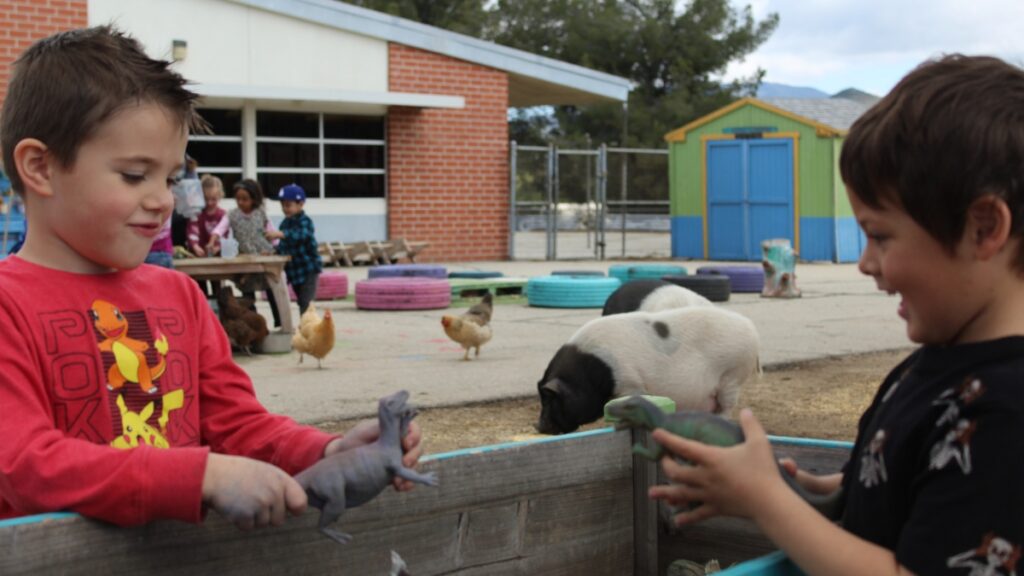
<point x="552" y="387"/>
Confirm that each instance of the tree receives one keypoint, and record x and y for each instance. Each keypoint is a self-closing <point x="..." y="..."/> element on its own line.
<point x="672" y="55"/>
<point x="463" y="16"/>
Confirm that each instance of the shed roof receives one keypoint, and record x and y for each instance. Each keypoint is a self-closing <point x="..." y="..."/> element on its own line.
<point x="839" y="113"/>
<point x="533" y="80"/>
<point x="831" y="119"/>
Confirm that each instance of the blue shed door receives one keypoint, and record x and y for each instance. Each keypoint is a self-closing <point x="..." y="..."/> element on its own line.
<point x="750" y="195"/>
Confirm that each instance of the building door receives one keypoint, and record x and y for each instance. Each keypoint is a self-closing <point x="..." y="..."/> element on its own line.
<point x="749" y="195"/>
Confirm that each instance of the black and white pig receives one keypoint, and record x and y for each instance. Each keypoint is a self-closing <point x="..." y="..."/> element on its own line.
<point x="651" y="296"/>
<point x="699" y="356"/>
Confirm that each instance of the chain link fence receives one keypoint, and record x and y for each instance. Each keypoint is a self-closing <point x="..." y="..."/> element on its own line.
<point x="588" y="204"/>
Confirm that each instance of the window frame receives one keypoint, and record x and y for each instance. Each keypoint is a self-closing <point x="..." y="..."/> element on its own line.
<point x="321" y="142"/>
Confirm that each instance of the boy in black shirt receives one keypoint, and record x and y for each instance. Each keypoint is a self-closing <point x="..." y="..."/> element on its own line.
<point x="935" y="483"/>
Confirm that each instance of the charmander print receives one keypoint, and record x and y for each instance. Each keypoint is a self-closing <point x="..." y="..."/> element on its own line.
<point x="130" y="363"/>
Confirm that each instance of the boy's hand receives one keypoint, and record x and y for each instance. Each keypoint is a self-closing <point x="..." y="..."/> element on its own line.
<point x="249" y="493"/>
<point x="733" y="481"/>
<point x="367" y="432"/>
<point x="813" y="483"/>
<point x="199" y="251"/>
<point x="273" y="234"/>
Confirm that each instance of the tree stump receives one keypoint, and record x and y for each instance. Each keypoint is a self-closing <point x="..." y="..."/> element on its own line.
<point x="779" y="261"/>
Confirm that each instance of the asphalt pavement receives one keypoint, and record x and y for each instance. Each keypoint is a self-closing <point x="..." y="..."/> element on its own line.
<point x="378" y="352"/>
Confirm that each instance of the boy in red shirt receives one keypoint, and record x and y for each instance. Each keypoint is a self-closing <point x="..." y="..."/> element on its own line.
<point x="119" y="398"/>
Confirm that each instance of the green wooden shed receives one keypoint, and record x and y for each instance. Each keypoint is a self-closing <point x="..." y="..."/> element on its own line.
<point x="759" y="169"/>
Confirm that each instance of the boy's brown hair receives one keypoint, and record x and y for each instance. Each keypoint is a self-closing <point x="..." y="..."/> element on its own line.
<point x="950" y="132"/>
<point x="64" y="87"/>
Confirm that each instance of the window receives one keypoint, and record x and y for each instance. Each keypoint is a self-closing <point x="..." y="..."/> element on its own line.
<point x="219" y="153"/>
<point x="329" y="155"/>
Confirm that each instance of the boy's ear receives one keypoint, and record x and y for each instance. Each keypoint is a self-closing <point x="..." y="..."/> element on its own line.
<point x="32" y="160"/>
<point x="988" y="225"/>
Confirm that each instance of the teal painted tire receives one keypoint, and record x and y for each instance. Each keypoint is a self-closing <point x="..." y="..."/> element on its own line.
<point x="570" y="291"/>
<point x="628" y="272"/>
<point x="479" y="274"/>
<point x="577" y="273"/>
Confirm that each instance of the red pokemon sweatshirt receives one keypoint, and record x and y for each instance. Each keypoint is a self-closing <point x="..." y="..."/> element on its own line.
<point x="113" y="390"/>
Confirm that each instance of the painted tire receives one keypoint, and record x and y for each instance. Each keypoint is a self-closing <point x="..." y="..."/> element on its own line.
<point x="417" y="270"/>
<point x="475" y="274"/>
<point x="741" y="278"/>
<point x="577" y="273"/>
<point x="403" y="294"/>
<point x="332" y="285"/>
<point x="714" y="287"/>
<point x="627" y="272"/>
<point x="570" y="291"/>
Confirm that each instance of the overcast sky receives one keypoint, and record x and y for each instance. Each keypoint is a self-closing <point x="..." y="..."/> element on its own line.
<point x="871" y="44"/>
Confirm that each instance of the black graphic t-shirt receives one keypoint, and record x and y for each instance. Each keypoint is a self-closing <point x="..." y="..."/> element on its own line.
<point x="937" y="472"/>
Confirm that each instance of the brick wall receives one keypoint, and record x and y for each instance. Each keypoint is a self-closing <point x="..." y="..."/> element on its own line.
<point x="22" y="22"/>
<point x="448" y="168"/>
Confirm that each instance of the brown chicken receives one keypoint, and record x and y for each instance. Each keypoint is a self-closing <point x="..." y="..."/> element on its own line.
<point x="472" y="329"/>
<point x="245" y="327"/>
<point x="315" y="335"/>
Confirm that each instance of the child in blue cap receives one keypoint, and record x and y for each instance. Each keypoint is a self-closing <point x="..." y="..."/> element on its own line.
<point x="298" y="240"/>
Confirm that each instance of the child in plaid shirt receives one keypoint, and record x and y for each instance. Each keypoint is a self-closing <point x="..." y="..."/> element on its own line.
<point x="298" y="240"/>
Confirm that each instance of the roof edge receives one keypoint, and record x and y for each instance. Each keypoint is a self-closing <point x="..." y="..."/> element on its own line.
<point x="250" y="92"/>
<point x="824" y="130"/>
<point x="432" y="39"/>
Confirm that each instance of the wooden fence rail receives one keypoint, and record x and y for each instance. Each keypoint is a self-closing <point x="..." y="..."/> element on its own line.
<point x="556" y="507"/>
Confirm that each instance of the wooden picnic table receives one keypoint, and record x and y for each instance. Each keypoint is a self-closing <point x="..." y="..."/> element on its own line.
<point x="271" y="267"/>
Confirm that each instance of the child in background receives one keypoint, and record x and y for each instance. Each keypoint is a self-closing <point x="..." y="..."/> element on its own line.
<point x="91" y="342"/>
<point x="161" y="253"/>
<point x="935" y="483"/>
<point x="249" y="226"/>
<point x="298" y="240"/>
<point x="201" y="239"/>
<point x="247" y="221"/>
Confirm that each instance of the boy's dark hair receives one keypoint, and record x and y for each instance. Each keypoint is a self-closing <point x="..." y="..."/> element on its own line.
<point x="950" y="132"/>
<point x="253" y="188"/>
<point x="64" y="87"/>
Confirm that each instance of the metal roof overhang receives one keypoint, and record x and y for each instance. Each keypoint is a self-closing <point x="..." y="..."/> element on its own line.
<point x="533" y="80"/>
<point x="354" y="101"/>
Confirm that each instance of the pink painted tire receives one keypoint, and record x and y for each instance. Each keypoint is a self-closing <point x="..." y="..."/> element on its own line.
<point x="405" y="293"/>
<point x="332" y="285"/>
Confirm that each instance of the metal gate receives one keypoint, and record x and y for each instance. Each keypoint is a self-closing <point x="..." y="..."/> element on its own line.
<point x="566" y="192"/>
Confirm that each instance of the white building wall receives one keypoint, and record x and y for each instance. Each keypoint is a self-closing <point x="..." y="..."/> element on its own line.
<point x="231" y="44"/>
<point x="236" y="45"/>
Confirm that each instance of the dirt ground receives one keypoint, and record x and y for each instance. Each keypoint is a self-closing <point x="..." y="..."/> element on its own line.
<point x="817" y="399"/>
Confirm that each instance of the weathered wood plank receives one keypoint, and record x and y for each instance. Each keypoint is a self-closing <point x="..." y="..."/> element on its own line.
<point x="551" y="507"/>
<point x="645" y="522"/>
<point x="731" y="540"/>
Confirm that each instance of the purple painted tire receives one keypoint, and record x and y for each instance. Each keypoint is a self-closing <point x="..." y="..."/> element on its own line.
<point x="409" y="293"/>
<point x="332" y="285"/>
<point x="741" y="278"/>
<point x="401" y="270"/>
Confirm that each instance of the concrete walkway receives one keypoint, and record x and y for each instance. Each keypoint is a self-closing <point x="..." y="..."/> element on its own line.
<point x="379" y="352"/>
